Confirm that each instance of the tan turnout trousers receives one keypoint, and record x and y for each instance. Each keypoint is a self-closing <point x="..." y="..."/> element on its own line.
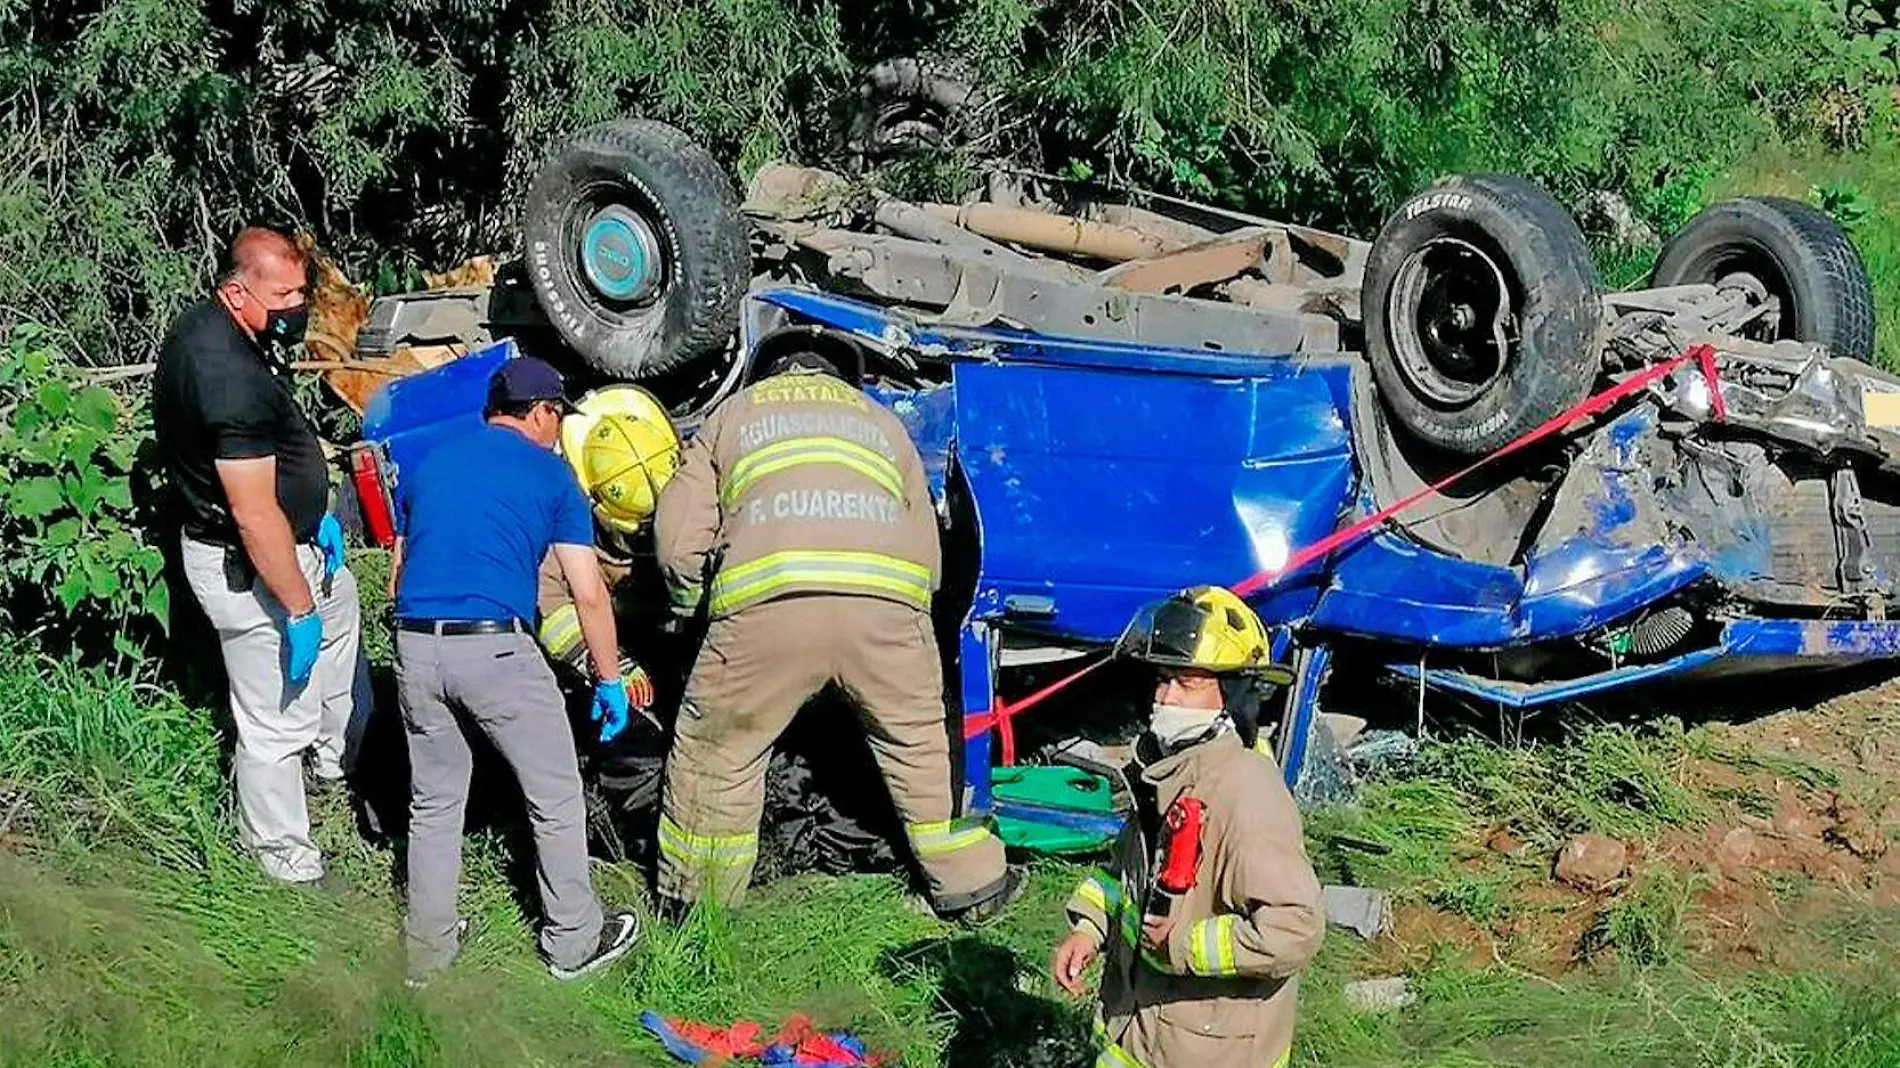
<point x="755" y="670"/>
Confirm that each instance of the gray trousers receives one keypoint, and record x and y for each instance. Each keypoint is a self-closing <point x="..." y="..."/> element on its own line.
<point x="276" y="725"/>
<point x="505" y="688"/>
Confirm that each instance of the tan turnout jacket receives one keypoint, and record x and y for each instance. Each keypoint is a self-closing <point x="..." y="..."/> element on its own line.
<point x="798" y="484"/>
<point x="1225" y="993"/>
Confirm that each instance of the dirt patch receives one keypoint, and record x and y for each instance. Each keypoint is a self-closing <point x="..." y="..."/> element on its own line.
<point x="1802" y="827"/>
<point x="1547" y="927"/>
<point x="1421" y="933"/>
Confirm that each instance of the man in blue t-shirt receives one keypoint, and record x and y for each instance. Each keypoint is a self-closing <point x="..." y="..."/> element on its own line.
<point x="479" y="515"/>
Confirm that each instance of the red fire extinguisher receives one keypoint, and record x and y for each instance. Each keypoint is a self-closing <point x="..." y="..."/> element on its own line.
<point x="1180" y="854"/>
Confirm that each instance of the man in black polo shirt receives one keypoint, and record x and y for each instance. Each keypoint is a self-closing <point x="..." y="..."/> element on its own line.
<point x="261" y="552"/>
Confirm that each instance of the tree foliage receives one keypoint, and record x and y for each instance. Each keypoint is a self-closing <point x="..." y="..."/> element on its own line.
<point x="138" y="132"/>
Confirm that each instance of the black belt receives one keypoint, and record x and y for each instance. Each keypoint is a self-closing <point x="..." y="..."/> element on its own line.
<point x="451" y="628"/>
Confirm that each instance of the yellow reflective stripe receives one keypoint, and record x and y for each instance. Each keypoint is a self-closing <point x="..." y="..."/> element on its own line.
<point x="872" y="572"/>
<point x="561" y="630"/>
<point x="685" y="596"/>
<point x="706" y="850"/>
<point x="1211" y="946"/>
<point x="824" y="557"/>
<point x="795" y="452"/>
<point x="1225" y="945"/>
<point x="1131" y="930"/>
<point x="1131" y="921"/>
<point x="945" y="836"/>
<point x="1101" y="892"/>
<point x="1112" y="1055"/>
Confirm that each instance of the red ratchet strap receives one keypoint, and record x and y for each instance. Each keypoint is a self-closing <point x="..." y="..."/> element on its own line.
<point x="1002" y="714"/>
<point x="1703" y="356"/>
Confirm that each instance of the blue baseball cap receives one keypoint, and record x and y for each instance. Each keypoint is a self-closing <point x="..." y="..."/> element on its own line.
<point x="524" y="380"/>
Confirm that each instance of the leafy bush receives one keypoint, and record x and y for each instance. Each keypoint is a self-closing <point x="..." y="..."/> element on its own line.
<point x="76" y="559"/>
<point x="135" y="133"/>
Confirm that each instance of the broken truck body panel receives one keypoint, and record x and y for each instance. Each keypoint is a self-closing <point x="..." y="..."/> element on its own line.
<point x="1746" y="645"/>
<point x="409" y="416"/>
<point x="1100" y="475"/>
<point x="1104" y="476"/>
<point x="1068" y="466"/>
<point x="1071" y="449"/>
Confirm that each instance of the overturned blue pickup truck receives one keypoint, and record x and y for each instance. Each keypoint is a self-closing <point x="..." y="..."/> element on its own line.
<point x="1120" y="395"/>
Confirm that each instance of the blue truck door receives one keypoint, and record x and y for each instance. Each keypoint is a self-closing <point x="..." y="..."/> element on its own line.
<point x="1104" y="480"/>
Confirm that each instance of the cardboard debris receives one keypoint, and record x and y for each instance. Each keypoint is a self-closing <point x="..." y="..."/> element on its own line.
<point x="479" y="271"/>
<point x="339" y="308"/>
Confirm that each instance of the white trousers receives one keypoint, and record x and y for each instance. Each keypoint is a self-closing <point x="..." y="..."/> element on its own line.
<point x="276" y="724"/>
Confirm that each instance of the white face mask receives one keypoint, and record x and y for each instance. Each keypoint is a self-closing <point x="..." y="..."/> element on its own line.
<point x="1174" y="725"/>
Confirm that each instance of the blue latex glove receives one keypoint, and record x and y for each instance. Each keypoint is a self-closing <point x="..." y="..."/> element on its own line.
<point x="304" y="635"/>
<point x="611" y="709"/>
<point x="330" y="540"/>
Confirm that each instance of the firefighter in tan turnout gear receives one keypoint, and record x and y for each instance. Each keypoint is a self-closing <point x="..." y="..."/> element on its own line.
<point x="802" y="519"/>
<point x="624" y="450"/>
<point x="1210" y="907"/>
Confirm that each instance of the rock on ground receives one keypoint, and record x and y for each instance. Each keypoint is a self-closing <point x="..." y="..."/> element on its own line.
<point x="1380" y="995"/>
<point x="1735" y="855"/>
<point x="1592" y="862"/>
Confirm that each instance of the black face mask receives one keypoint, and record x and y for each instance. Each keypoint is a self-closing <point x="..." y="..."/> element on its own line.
<point x="285" y="326"/>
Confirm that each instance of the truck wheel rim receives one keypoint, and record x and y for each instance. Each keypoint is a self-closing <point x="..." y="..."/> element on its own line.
<point x="620" y="255"/>
<point x="1754" y="276"/>
<point x="1451" y="321"/>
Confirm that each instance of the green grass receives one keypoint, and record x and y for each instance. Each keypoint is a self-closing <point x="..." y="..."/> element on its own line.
<point x="1872" y="177"/>
<point x="1649" y="923"/>
<point x="1428" y="825"/>
<point x="1868" y="180"/>
<point x="131" y="933"/>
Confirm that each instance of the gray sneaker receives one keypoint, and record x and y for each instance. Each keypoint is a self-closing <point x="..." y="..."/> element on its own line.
<point x="330" y="884"/>
<point x="419" y="982"/>
<point x="618" y="932"/>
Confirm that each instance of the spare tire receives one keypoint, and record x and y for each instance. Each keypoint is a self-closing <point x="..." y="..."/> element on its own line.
<point x="1774" y="247"/>
<point x="1482" y="312"/>
<point x="636" y="249"/>
<point x="912" y="105"/>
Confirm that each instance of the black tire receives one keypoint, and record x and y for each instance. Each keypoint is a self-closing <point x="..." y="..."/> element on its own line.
<point x="910" y="105"/>
<point x="669" y="210"/>
<point x="1470" y="259"/>
<point x="1792" y="252"/>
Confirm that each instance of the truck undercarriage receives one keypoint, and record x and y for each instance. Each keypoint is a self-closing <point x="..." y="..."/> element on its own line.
<point x="1118" y="394"/>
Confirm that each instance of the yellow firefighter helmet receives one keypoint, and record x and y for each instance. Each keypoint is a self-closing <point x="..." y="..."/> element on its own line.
<point x="1205" y="627"/>
<point x="623" y="448"/>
